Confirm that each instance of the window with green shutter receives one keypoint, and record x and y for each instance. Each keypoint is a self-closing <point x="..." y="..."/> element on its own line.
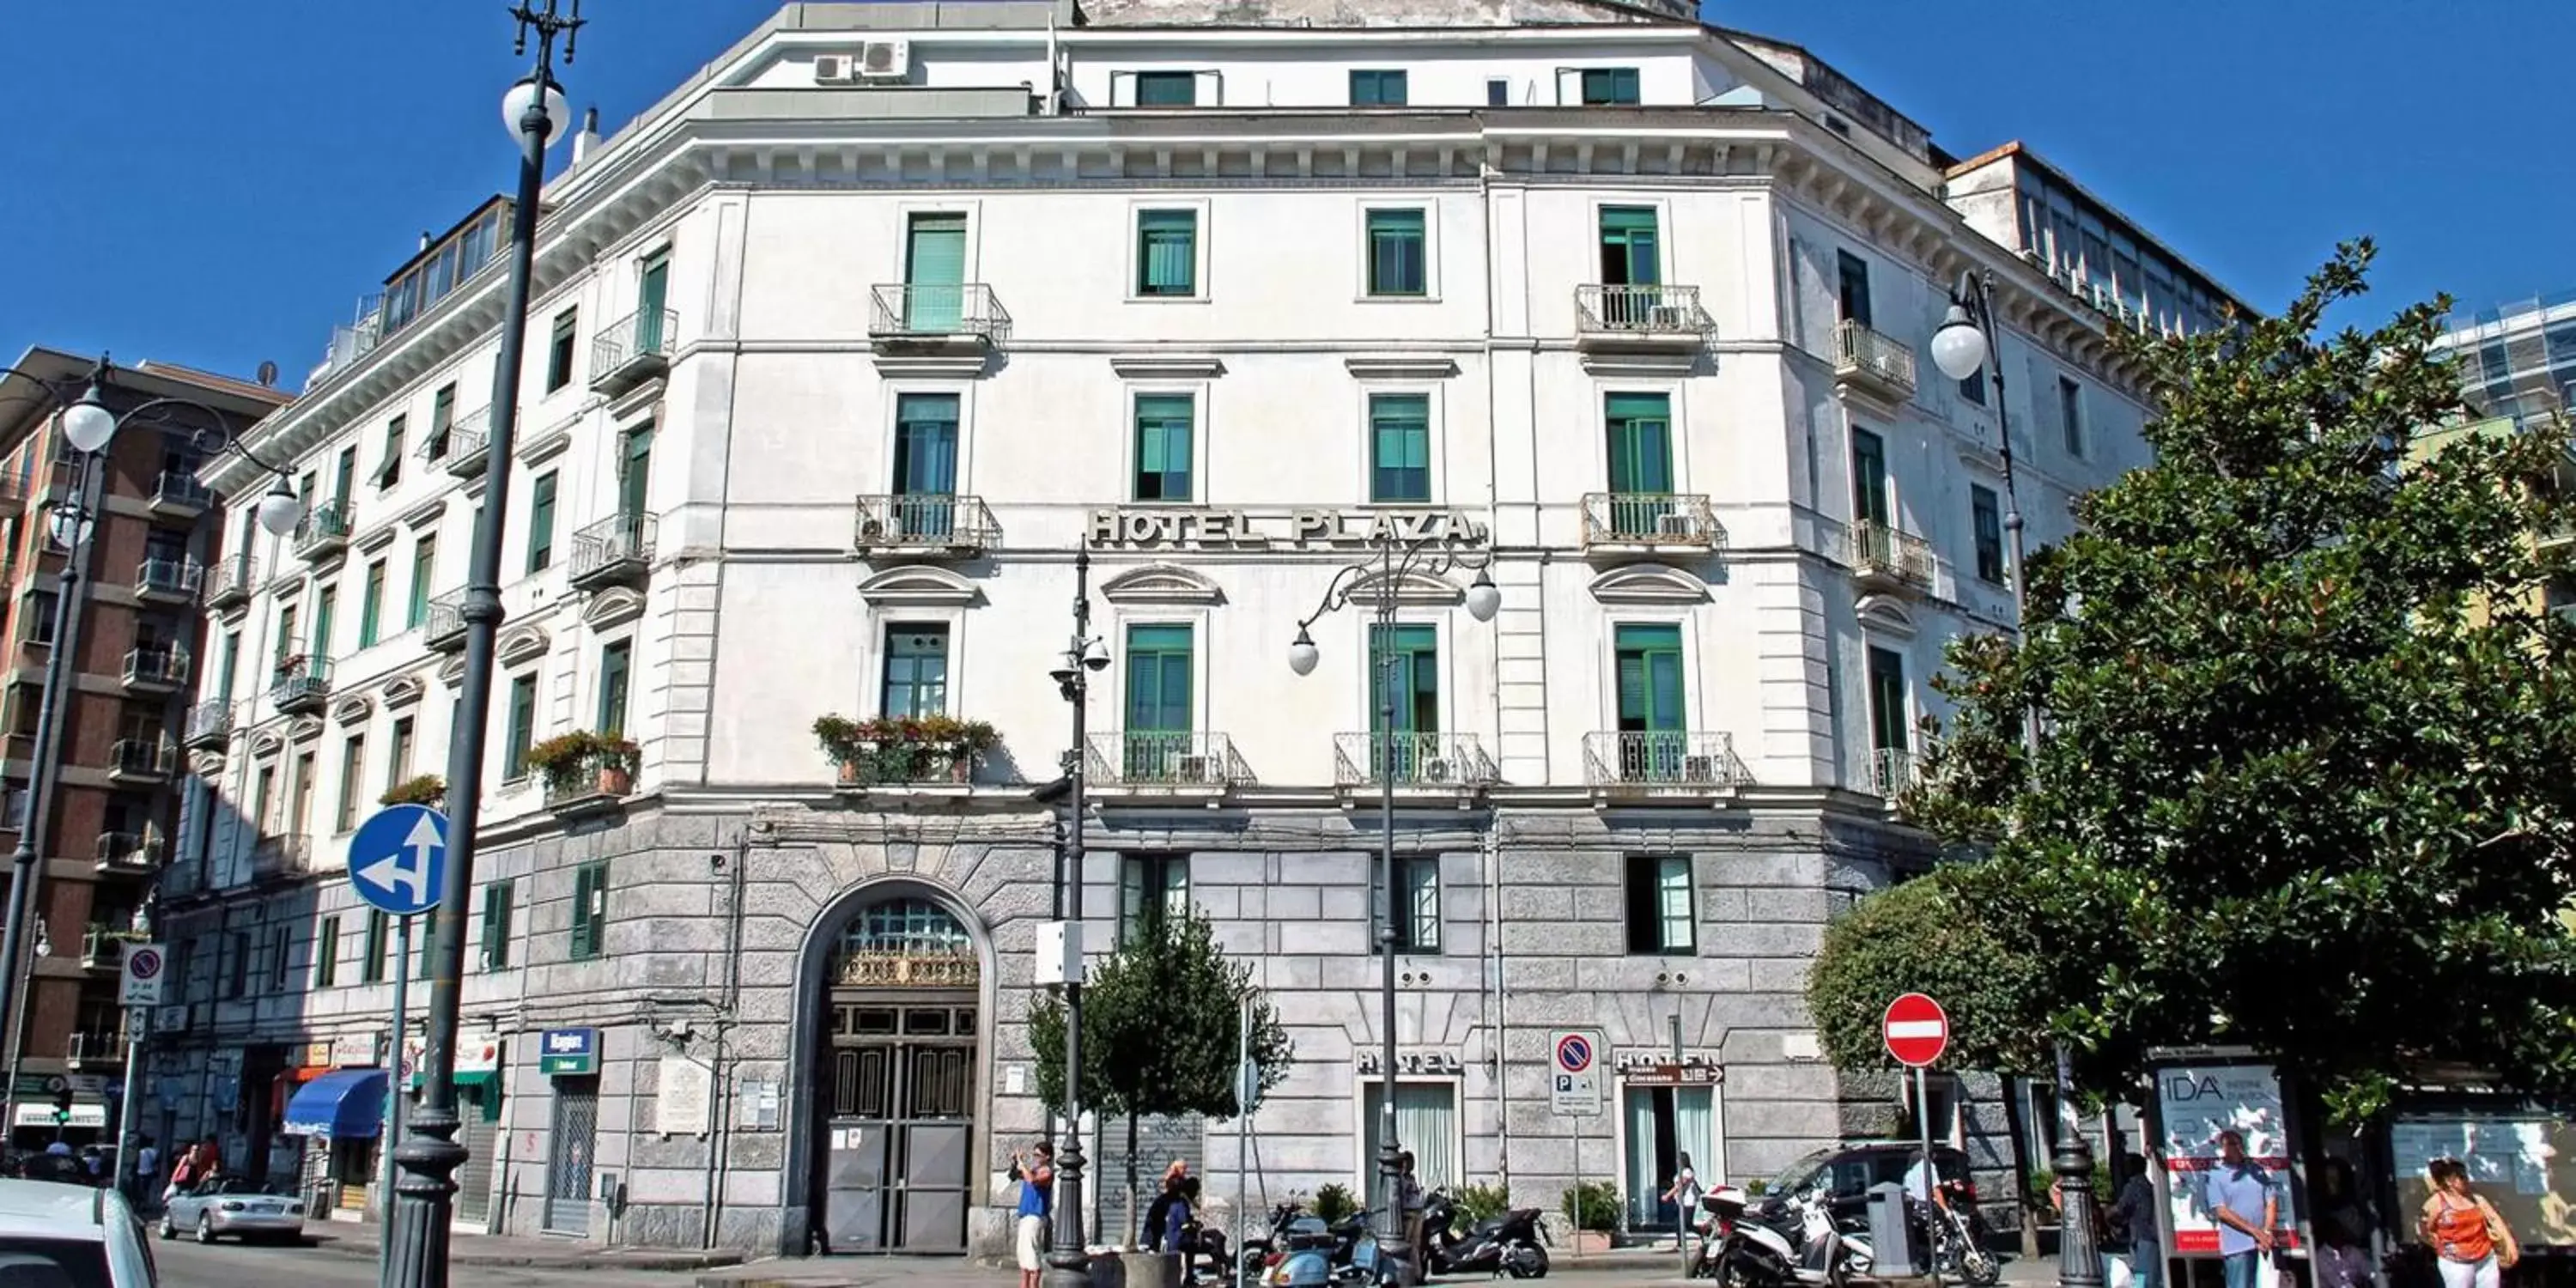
<point x="541" y="522"/>
<point x="1377" y="88"/>
<point x="371" y="605"/>
<point x="1610" y="86"/>
<point x="1649" y="662"/>
<point x="371" y="960"/>
<point x="589" y="910"/>
<point x="326" y="953"/>
<point x="1661" y="920"/>
<point x="1167" y="89"/>
<point x="497" y="898"/>
<point x="1631" y="246"/>
<point x="1152" y="888"/>
<point x="1399" y="447"/>
<point x="1167" y="252"/>
<point x="1986" y="515"/>
<point x="1398" y="259"/>
<point x="523" y="726"/>
<point x="1406" y="659"/>
<point x="1164" y="425"/>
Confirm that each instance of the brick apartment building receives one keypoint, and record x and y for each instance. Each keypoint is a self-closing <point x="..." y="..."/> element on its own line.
<point x="134" y="642"/>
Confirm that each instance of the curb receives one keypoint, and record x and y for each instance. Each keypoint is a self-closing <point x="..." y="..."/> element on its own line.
<point x="549" y="1260"/>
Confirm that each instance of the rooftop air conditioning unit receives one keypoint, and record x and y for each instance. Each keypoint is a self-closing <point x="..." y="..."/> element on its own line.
<point x="1677" y="523"/>
<point x="1699" y="769"/>
<point x="1437" y="771"/>
<point x="835" y="69"/>
<point x="881" y="60"/>
<point x="1195" y="769"/>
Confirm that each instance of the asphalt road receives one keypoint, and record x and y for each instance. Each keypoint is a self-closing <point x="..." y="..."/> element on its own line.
<point x="185" y="1264"/>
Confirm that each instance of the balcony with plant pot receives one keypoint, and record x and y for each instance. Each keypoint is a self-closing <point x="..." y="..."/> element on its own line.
<point x="904" y="751"/>
<point x="103" y="945"/>
<point x="585" y="772"/>
<point x="419" y="789"/>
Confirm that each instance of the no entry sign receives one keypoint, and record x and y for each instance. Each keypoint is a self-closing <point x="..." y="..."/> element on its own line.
<point x="1916" y="1029"/>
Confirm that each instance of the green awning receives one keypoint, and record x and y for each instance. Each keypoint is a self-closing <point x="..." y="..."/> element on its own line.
<point x="463" y="1078"/>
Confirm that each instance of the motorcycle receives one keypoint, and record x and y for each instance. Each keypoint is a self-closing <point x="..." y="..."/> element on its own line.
<point x="1303" y="1252"/>
<point x="1511" y="1244"/>
<point x="1958" y="1239"/>
<point x="1758" y="1253"/>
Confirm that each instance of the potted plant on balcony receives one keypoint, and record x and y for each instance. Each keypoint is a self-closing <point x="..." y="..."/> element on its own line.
<point x="419" y="789"/>
<point x="848" y="743"/>
<point x="606" y="761"/>
<point x="959" y="742"/>
<point x="903" y="749"/>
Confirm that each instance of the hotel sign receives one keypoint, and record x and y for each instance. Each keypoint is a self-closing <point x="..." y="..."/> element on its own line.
<point x="1166" y="527"/>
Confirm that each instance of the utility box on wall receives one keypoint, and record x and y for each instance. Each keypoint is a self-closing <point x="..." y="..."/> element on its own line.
<point x="1059" y="950"/>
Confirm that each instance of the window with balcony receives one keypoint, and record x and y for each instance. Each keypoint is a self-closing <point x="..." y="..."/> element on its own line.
<point x="1399" y="448"/>
<point x="1152" y="888"/>
<point x="41" y="608"/>
<point x="1377" y="88"/>
<point x="497" y="898"/>
<point x="375" y="953"/>
<point x="442" y="418"/>
<point x="1398" y="253"/>
<point x="287" y="640"/>
<point x="1405" y="661"/>
<point x="934" y="272"/>
<point x="1985" y="515"/>
<point x="353" y="768"/>
<point x="559" y="349"/>
<point x="1889" y="729"/>
<point x="371" y="605"/>
<point x="326" y="610"/>
<point x="541" y="523"/>
<point x="1870" y="501"/>
<point x="326" y="952"/>
<point x="1167" y="89"/>
<point x="1165" y="424"/>
<point x="1660" y="903"/>
<point x="390" y="472"/>
<point x="1631" y="246"/>
<point x="2070" y="415"/>
<point x="1851" y="288"/>
<point x="1417" y="903"/>
<point x="1167" y="253"/>
<point x="925" y="464"/>
<point x="228" y="664"/>
<point x="344" y="475"/>
<point x="1648" y="662"/>
<point x="589" y="911"/>
<point x="915" y="680"/>
<point x="424" y="566"/>
<point x="615" y="660"/>
<point x="1160" y="714"/>
<point x="1610" y="86"/>
<point x="523" y="726"/>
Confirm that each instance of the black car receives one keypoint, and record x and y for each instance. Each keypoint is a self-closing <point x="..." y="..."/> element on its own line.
<point x="1848" y="1171"/>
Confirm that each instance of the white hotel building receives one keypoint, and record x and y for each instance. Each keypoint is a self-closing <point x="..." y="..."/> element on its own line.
<point x="840" y="351"/>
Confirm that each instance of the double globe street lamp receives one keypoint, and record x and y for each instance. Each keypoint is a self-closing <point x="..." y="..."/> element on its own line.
<point x="1966" y="346"/>
<point x="1381" y="580"/>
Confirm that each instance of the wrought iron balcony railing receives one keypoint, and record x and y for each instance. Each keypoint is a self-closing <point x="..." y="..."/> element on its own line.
<point x="92" y="1048"/>
<point x="1891" y="771"/>
<point x="616" y="550"/>
<point x="141" y="758"/>
<point x="1680" y="760"/>
<point x="1881" y="553"/>
<point x="229" y="584"/>
<point x="1675" y="521"/>
<point x="926" y="522"/>
<point x="632" y="350"/>
<point x="1411" y="760"/>
<point x="461" y="449"/>
<point x="920" y="311"/>
<point x="280" y="857"/>
<point x="210" y="723"/>
<point x="1641" y="311"/>
<point x="301" y="683"/>
<point x="325" y="529"/>
<point x="443" y="626"/>
<point x="1164" y="758"/>
<point x="177" y="492"/>
<point x="1881" y="363"/>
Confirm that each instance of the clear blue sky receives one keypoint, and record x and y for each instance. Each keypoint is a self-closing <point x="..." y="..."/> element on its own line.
<point x="217" y="183"/>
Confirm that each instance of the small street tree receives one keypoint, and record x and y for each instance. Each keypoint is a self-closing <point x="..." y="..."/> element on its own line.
<point x="1161" y="1030"/>
<point x="2305" y="784"/>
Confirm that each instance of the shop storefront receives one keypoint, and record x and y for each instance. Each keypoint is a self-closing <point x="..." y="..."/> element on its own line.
<point x="340" y="1113"/>
<point x="1667" y="1108"/>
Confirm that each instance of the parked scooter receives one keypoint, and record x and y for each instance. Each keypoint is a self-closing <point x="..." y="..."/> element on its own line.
<point x="1511" y="1244"/>
<point x="1958" y="1238"/>
<point x="1753" y="1253"/>
<point x="1303" y="1252"/>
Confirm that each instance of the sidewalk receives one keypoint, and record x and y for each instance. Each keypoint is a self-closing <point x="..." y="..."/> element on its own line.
<point x="1625" y="1268"/>
<point x="362" y="1239"/>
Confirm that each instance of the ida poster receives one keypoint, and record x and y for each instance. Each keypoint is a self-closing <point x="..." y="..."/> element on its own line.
<point x="2195" y="1104"/>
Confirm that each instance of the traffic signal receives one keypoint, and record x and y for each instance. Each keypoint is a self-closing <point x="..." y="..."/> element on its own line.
<point x="62" y="1106"/>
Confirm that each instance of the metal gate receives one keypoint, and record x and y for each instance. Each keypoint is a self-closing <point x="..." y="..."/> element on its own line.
<point x="899" y="1125"/>
<point x="568" y="1156"/>
<point x="482" y="1136"/>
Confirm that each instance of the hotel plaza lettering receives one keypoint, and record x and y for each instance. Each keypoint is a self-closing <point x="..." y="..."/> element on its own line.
<point x="1152" y="526"/>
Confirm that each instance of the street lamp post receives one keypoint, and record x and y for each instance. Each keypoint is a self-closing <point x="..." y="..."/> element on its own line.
<point x="1968" y="337"/>
<point x="416" y="1238"/>
<point x="1068" y="1259"/>
<point x="88" y="427"/>
<point x="1395" y="561"/>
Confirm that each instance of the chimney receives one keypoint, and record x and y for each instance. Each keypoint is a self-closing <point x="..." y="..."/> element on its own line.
<point x="583" y="142"/>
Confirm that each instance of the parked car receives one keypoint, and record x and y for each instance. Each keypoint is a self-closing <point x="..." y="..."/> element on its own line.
<point x="232" y="1205"/>
<point x="81" y="1236"/>
<point x="1848" y="1170"/>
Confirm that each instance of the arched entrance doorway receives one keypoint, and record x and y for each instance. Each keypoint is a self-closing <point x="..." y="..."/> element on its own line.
<point x="895" y="1081"/>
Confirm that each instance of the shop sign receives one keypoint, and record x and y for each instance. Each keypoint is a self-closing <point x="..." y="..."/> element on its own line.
<point x="1174" y="527"/>
<point x="317" y="1055"/>
<point x="475" y="1053"/>
<point x="568" y="1051"/>
<point x="1412" y="1062"/>
<point x="353" y="1050"/>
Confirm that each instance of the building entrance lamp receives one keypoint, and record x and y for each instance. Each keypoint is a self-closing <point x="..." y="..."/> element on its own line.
<point x="1085" y="655"/>
<point x="1380" y="579"/>
<point x="88" y="428"/>
<point x="1967" y="345"/>
<point x="417" y="1234"/>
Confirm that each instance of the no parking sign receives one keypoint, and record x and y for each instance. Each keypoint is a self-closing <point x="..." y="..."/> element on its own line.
<point x="1574" y="1089"/>
<point x="143" y="973"/>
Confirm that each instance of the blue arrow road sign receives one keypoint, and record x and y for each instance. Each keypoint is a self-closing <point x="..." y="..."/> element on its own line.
<point x="399" y="857"/>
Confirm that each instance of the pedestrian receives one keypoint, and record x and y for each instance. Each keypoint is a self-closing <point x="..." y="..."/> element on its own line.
<point x="2131" y="1222"/>
<point x="1408" y="1192"/>
<point x="1170" y="1213"/>
<point x="1034" y="1169"/>
<point x="2472" y="1242"/>
<point x="1149" y="1232"/>
<point x="2343" y="1222"/>
<point x="147" y="1169"/>
<point x="2242" y="1198"/>
<point x="1684" y="1195"/>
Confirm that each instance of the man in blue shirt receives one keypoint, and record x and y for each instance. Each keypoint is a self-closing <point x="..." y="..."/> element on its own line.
<point x="2241" y="1199"/>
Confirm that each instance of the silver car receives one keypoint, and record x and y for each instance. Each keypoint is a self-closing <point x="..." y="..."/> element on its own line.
<point x="70" y="1234"/>
<point x="234" y="1206"/>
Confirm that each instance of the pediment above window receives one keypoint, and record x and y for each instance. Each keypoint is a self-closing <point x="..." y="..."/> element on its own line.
<point x="1416" y="589"/>
<point x="1172" y="366"/>
<point x="453" y="673"/>
<point x="426" y="514"/>
<point x="919" y="586"/>
<point x="1886" y="615"/>
<point x="521" y="644"/>
<point x="208" y="765"/>
<point x="1161" y="584"/>
<point x="1649" y="583"/>
<point x="402" y="691"/>
<point x="1423" y="366"/>
<point x="265" y="744"/>
<point x="304" y="730"/>
<point x="353" y="709"/>
<point x="611" y="607"/>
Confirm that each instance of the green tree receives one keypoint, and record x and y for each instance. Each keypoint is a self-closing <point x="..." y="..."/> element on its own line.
<point x="2305" y="780"/>
<point x="1162" y="1024"/>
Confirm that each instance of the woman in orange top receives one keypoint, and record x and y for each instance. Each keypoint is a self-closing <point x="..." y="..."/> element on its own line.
<point x="2472" y="1242"/>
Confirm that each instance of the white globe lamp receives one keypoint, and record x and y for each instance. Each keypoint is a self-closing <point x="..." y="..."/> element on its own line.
<point x="278" y="510"/>
<point x="514" y="108"/>
<point x="87" y="424"/>
<point x="1484" y="598"/>
<point x="1958" y="348"/>
<point x="1302" y="653"/>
